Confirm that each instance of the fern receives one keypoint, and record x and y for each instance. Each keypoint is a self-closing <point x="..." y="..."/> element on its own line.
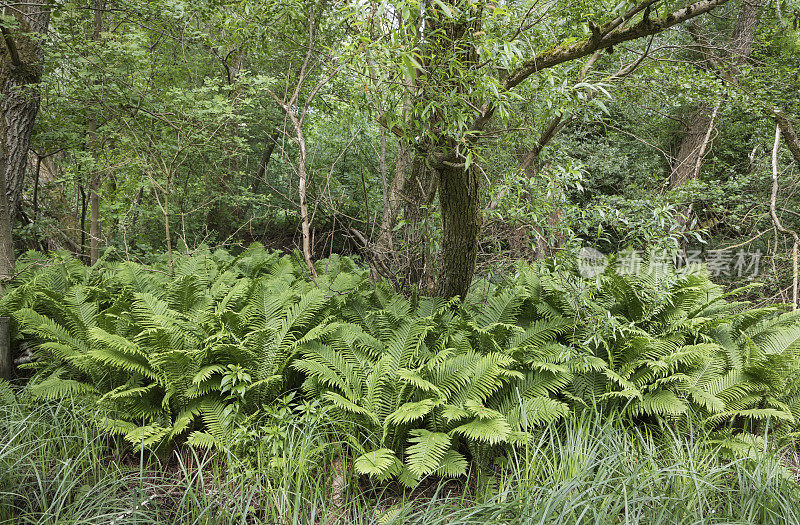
<point x="422" y="383"/>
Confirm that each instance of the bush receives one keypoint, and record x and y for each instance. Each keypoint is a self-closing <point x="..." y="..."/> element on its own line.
<point x="425" y="386"/>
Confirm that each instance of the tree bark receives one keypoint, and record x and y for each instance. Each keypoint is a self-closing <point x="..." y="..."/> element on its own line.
<point x="6" y="238"/>
<point x="698" y="135"/>
<point x="301" y="190"/>
<point x="20" y="72"/>
<point x="459" y="197"/>
<point x="94" y="144"/>
<point x="694" y="145"/>
<point x="6" y="363"/>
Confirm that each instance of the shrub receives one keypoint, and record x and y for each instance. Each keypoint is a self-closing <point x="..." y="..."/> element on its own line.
<point x="425" y="385"/>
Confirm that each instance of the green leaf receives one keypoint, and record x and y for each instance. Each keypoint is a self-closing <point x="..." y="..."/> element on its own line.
<point x="429" y="448"/>
<point x="380" y="464"/>
<point x="411" y="411"/>
<point x="491" y="431"/>
<point x="453" y="465"/>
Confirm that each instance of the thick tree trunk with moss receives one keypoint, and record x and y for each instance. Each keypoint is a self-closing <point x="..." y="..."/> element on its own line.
<point x="20" y="71"/>
<point x="459" y="198"/>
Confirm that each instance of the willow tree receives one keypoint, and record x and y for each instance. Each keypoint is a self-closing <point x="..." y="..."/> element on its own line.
<point x="459" y="65"/>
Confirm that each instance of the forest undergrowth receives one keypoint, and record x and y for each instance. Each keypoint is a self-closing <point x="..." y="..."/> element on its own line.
<point x="231" y="388"/>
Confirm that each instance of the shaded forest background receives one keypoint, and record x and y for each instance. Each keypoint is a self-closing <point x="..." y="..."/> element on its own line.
<point x="137" y="128"/>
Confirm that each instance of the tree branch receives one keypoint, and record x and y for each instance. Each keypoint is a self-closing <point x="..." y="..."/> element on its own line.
<point x="646" y="27"/>
<point x="606" y="36"/>
<point x="789" y="135"/>
<point x="12" y="48"/>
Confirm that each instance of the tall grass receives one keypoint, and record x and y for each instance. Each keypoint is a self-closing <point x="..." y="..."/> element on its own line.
<point x="589" y="470"/>
<point x="55" y="467"/>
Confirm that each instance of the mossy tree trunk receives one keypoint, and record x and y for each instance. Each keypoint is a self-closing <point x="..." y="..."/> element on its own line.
<point x="459" y="198"/>
<point x="20" y="72"/>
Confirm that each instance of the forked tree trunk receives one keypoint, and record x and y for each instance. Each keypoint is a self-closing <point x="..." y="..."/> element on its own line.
<point x="20" y="71"/>
<point x="20" y="68"/>
<point x="459" y="197"/>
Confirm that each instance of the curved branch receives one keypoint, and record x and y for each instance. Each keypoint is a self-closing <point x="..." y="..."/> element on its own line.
<point x="646" y="27"/>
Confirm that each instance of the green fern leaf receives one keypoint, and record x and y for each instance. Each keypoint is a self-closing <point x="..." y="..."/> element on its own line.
<point x="428" y="451"/>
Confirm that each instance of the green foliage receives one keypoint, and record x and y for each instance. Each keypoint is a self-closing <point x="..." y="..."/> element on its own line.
<point x="55" y="467"/>
<point x="666" y="343"/>
<point x="423" y="386"/>
<point x="431" y="382"/>
<point x="169" y="355"/>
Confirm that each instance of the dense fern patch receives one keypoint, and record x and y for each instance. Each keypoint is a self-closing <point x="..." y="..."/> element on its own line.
<point x="425" y="386"/>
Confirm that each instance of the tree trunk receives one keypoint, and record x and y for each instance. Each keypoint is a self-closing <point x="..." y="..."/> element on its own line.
<point x="6" y="239"/>
<point x="693" y="146"/>
<point x="459" y="197"/>
<point x="269" y="148"/>
<point x="20" y="68"/>
<point x="94" y="146"/>
<point x="94" y="221"/>
<point x="6" y="363"/>
<point x="83" y="220"/>
<point x="418" y="196"/>
<point x="384" y="247"/>
<point x="301" y="190"/>
<point x="697" y="139"/>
